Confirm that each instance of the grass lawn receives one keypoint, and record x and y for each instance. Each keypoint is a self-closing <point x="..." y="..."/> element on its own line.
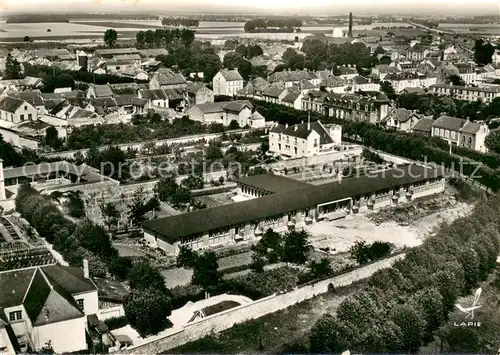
<point x="273" y="332"/>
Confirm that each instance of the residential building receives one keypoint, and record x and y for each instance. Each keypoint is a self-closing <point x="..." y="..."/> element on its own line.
<point x="285" y="205"/>
<point x="302" y="140"/>
<point x="238" y="111"/>
<point x="34" y="97"/>
<point x="467" y="72"/>
<point x="99" y="91"/>
<point x="274" y="94"/>
<point x="111" y="52"/>
<point x="347" y="72"/>
<point x="423" y="126"/>
<point x="406" y="80"/>
<point x="401" y="119"/>
<point x="167" y="79"/>
<point x="362" y="106"/>
<point x="293" y="99"/>
<point x="468" y="93"/>
<point x="198" y="93"/>
<point x="48" y="304"/>
<point x="417" y="52"/>
<point x="16" y="110"/>
<point x="222" y="112"/>
<point x="450" y="53"/>
<point x="256" y="120"/>
<point x="461" y="132"/>
<point x="290" y="78"/>
<point x="227" y="82"/>
<point x="155" y="97"/>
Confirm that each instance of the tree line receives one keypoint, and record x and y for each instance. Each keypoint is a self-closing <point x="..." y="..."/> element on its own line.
<point x="402" y="307"/>
<point x="164" y="37"/>
<point x="180" y="21"/>
<point x="262" y="24"/>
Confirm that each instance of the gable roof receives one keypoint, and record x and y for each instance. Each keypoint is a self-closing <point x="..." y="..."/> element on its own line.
<point x="193" y="88"/>
<point x="302" y="131"/>
<point x="470" y="127"/>
<point x="153" y="94"/>
<point x="169" y="77"/>
<point x="448" y="122"/>
<point x="424" y="125"/>
<point x="291" y="97"/>
<point x="152" y="52"/>
<point x="273" y="91"/>
<point x="237" y="106"/>
<point x="10" y="104"/>
<point x="102" y="90"/>
<point x="231" y="75"/>
<point x="33" y="97"/>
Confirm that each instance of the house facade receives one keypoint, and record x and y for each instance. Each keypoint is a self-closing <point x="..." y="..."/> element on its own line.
<point x="302" y="140"/>
<point x="48" y="304"/>
<point x="198" y="93"/>
<point x="16" y="110"/>
<point x="227" y="82"/>
<point x="468" y="93"/>
<point x="460" y="132"/>
<point x="402" y="119"/>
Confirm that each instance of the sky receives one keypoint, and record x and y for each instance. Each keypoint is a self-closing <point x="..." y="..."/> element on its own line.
<point x="276" y="7"/>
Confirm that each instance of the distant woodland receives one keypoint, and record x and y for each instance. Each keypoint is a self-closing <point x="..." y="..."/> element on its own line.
<point x="33" y="18"/>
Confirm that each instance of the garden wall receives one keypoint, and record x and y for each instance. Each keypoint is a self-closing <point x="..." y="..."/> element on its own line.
<point x="218" y="322"/>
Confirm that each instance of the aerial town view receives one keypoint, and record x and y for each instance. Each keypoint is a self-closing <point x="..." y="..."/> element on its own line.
<point x="281" y="177"/>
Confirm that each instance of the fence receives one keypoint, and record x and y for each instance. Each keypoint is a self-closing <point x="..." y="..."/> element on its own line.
<point x="224" y="320"/>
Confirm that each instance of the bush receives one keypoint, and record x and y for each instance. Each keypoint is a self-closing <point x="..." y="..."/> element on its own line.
<point x="116" y="322"/>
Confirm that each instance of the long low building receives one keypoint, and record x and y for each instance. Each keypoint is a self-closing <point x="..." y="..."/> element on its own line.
<point x="293" y="205"/>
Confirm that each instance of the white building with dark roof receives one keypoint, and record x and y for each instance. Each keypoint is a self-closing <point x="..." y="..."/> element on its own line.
<point x="227" y="82"/>
<point x="48" y="304"/>
<point x="302" y="140"/>
<point x="167" y="79"/>
<point x="468" y="93"/>
<point x="461" y="132"/>
<point x="16" y="110"/>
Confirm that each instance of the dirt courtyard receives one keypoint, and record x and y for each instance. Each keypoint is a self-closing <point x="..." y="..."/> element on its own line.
<point x="339" y="235"/>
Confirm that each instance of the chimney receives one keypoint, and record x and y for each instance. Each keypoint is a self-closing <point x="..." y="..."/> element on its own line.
<point x="309" y="120"/>
<point x="2" y="183"/>
<point x="286" y="125"/>
<point x="86" y="273"/>
<point x="349" y="34"/>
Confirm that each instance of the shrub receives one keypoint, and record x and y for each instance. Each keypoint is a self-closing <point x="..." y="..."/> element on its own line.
<point x="116" y="322"/>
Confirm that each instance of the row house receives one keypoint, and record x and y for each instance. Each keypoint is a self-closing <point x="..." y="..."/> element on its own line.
<point x="467" y="93"/>
<point x="362" y="106"/>
<point x="406" y="80"/>
<point x="461" y="132"/>
<point x="290" y="78"/>
<point x="227" y="82"/>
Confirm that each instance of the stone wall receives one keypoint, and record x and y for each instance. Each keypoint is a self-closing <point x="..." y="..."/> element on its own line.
<point x="174" y="337"/>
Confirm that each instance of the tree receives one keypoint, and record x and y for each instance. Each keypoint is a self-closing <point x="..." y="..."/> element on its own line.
<point x="412" y="325"/>
<point x="386" y="88"/>
<point x="93" y="238"/>
<point x="320" y="269"/>
<point x="193" y="182"/>
<point x="51" y="138"/>
<point x="483" y="53"/>
<point x="143" y="276"/>
<point x="258" y="263"/>
<point x="166" y="188"/>
<point x="75" y="204"/>
<point x="110" y="37"/>
<point x="205" y="272"/>
<point x="12" y="68"/>
<point x="359" y="252"/>
<point x="296" y="247"/>
<point x="186" y="257"/>
<point x="492" y="141"/>
<point x="385" y="60"/>
<point x="147" y="311"/>
<point x="111" y="214"/>
<point x="137" y="207"/>
<point x="233" y="125"/>
<point x="454" y="79"/>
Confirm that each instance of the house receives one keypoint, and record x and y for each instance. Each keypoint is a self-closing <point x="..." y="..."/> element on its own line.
<point x="405" y="80"/>
<point x="347" y="72"/>
<point x="99" y="91"/>
<point x="274" y="94"/>
<point x="117" y="66"/>
<point x="290" y="78"/>
<point x="238" y="111"/>
<point x="209" y="112"/>
<point x="467" y="72"/>
<point x="380" y="71"/>
<point x="469" y="93"/>
<point x="155" y="97"/>
<point x="254" y="88"/>
<point x="198" y="93"/>
<point x="423" y="126"/>
<point x="415" y="91"/>
<point x="28" y="83"/>
<point x="48" y="304"/>
<point x="256" y="120"/>
<point x="111" y="52"/>
<point x="450" y="53"/>
<point x="34" y="97"/>
<point x="16" y="110"/>
<point x="293" y="99"/>
<point x="461" y="132"/>
<point x="167" y="79"/>
<point x="417" y="52"/>
<point x="369" y="106"/>
<point x="227" y="82"/>
<point x="301" y="140"/>
<point x="401" y="119"/>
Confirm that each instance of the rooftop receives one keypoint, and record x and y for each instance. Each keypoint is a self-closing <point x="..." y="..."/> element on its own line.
<point x="272" y="183"/>
<point x="174" y="228"/>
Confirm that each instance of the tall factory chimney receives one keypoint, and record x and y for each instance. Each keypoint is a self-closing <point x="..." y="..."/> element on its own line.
<point x="349" y="34"/>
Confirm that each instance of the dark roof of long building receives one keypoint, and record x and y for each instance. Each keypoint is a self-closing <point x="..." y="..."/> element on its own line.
<point x="272" y="183"/>
<point x="174" y="228"/>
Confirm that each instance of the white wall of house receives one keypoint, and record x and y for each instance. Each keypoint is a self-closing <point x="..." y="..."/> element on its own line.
<point x="90" y="301"/>
<point x="26" y="112"/>
<point x="64" y="336"/>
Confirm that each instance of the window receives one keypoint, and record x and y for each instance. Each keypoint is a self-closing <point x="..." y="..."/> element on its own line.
<point x="80" y="304"/>
<point x="16" y="315"/>
<point x="30" y="116"/>
<point x="453" y="135"/>
<point x="22" y="117"/>
<point x="25" y="107"/>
